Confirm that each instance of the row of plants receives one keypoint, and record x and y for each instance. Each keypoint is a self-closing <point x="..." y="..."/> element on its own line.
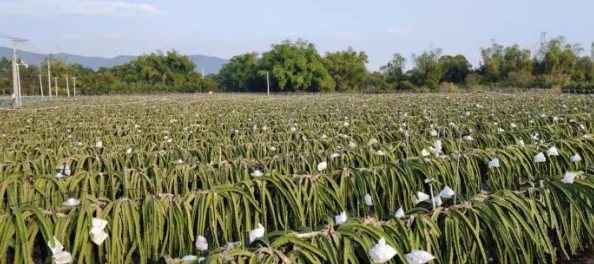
<point x="105" y="175"/>
<point x="305" y="179"/>
<point x="538" y="224"/>
<point x="579" y="88"/>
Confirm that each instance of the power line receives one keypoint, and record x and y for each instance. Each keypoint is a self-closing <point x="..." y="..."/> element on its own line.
<point x="2" y="35"/>
<point x="33" y="47"/>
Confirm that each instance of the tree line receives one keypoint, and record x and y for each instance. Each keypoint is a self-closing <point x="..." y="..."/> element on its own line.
<point x="297" y="66"/>
<point x="150" y="73"/>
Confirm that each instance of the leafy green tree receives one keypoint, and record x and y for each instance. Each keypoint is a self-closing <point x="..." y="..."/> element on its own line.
<point x="377" y="81"/>
<point x="555" y="56"/>
<point x="455" y="69"/>
<point x="79" y="70"/>
<point x="557" y="59"/>
<point x="347" y="69"/>
<point x="58" y="68"/>
<point x="516" y="60"/>
<point x="492" y="61"/>
<point x="427" y="71"/>
<point x="100" y="83"/>
<point x="5" y="76"/>
<point x="296" y="67"/>
<point x="155" y="72"/>
<point x="518" y="79"/>
<point x="499" y="61"/>
<point x="171" y="69"/>
<point x="473" y="80"/>
<point x="240" y="74"/>
<point x="584" y="70"/>
<point x="210" y="84"/>
<point x="29" y="80"/>
<point x="394" y="70"/>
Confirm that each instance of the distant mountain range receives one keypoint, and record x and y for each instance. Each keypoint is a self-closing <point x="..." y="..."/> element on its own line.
<point x="211" y="65"/>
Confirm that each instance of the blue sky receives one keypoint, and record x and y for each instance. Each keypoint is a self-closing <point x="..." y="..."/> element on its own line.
<point x="225" y="28"/>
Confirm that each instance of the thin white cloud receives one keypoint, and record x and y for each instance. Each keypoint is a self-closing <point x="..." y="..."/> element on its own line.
<point x="73" y="7"/>
<point x="398" y="31"/>
<point x="347" y="34"/>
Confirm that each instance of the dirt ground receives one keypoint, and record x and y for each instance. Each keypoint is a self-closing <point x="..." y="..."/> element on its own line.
<point x="585" y="258"/>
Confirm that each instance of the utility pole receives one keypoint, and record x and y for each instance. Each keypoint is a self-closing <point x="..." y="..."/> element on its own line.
<point x="267" y="83"/>
<point x="17" y="97"/>
<point x="67" y="85"/>
<point x="49" y="78"/>
<point x="15" y="76"/>
<point x="19" y="93"/>
<point x="40" y="85"/>
<point x="15" y="68"/>
<point x="202" y="73"/>
<point x="15" y="71"/>
<point x="56" y="83"/>
<point x="74" y="81"/>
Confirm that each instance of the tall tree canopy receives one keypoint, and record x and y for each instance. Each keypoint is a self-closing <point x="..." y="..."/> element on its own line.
<point x="241" y="74"/>
<point x="296" y="66"/>
<point x="492" y="61"/>
<point x="5" y="76"/>
<point x="171" y="70"/>
<point x="455" y="69"/>
<point x="394" y="71"/>
<point x="427" y="71"/>
<point x="516" y="59"/>
<point x="347" y="69"/>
